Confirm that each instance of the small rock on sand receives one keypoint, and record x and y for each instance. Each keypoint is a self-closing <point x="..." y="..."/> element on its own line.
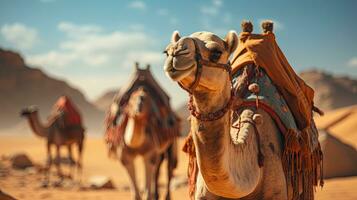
<point x="178" y="182"/>
<point x="100" y="182"/>
<point x="21" y="161"/>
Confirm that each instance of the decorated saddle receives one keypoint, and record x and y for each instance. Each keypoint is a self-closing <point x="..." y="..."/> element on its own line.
<point x="163" y="120"/>
<point x="67" y="114"/>
<point x="302" y="155"/>
<point x="263" y="79"/>
<point x="287" y="98"/>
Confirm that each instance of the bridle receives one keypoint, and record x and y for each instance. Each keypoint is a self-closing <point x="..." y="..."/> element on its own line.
<point x="200" y="62"/>
<point x="221" y="112"/>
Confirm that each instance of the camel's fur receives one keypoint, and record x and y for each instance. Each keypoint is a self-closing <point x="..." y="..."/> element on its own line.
<point x="140" y="140"/>
<point x="227" y="159"/>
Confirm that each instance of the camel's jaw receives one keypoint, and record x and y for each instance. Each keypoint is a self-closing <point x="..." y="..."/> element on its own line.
<point x="177" y="74"/>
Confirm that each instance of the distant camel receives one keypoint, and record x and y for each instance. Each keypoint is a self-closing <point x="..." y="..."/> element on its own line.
<point x="142" y="137"/>
<point x="56" y="135"/>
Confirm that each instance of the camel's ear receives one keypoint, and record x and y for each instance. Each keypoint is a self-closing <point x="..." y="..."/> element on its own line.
<point x="231" y="40"/>
<point x="136" y="66"/>
<point x="175" y="36"/>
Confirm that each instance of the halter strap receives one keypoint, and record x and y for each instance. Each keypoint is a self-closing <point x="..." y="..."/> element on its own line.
<point x="200" y="62"/>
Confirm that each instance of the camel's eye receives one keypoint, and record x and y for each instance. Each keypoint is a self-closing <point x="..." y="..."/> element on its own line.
<point x="215" y="55"/>
<point x="165" y="52"/>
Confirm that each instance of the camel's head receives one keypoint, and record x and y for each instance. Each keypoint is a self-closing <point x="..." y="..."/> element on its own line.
<point x="139" y="103"/>
<point x="28" y="111"/>
<point x="181" y="62"/>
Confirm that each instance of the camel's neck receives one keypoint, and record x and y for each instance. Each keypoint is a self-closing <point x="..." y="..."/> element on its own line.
<point x="228" y="168"/>
<point x="37" y="127"/>
<point x="134" y="135"/>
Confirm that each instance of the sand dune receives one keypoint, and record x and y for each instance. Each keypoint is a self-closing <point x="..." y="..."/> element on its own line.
<point x="346" y="128"/>
<point x="97" y="163"/>
<point x="340" y="159"/>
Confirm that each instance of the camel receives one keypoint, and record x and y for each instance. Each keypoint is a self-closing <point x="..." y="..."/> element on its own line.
<point x="55" y="135"/>
<point x="141" y="139"/>
<point x="230" y="162"/>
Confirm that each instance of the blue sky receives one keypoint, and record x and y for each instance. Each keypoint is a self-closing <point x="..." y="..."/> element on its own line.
<point x="93" y="44"/>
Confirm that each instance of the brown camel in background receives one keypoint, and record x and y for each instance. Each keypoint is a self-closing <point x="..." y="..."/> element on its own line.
<point x="142" y="137"/>
<point x="56" y="135"/>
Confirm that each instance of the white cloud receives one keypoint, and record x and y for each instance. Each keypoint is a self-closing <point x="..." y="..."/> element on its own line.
<point x="90" y="49"/>
<point x="139" y="5"/>
<point x="74" y="30"/>
<point x="352" y="62"/>
<point x="20" y="35"/>
<point x="90" y="45"/>
<point x="52" y="59"/>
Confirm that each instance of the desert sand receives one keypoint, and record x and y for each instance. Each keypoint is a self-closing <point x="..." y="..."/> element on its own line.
<point x="96" y="163"/>
<point x="346" y="128"/>
<point x="23" y="186"/>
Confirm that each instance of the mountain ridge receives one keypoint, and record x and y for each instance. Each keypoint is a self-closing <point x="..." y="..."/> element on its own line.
<point x="22" y="86"/>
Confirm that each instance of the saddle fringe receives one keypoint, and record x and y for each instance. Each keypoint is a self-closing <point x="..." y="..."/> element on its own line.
<point x="301" y="166"/>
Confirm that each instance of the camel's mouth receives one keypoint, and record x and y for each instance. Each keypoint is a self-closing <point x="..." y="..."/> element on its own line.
<point x="28" y="111"/>
<point x="24" y="113"/>
<point x="178" y="74"/>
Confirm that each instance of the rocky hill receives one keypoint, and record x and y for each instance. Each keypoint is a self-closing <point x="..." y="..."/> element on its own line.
<point x="104" y="101"/>
<point x="331" y="91"/>
<point x="21" y="86"/>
